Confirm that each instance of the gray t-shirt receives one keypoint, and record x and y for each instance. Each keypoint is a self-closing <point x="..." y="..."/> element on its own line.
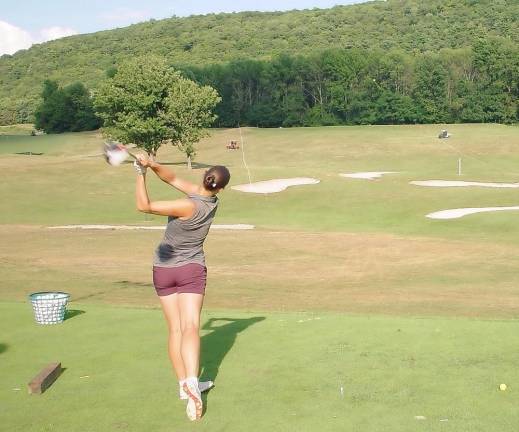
<point x="183" y="240"/>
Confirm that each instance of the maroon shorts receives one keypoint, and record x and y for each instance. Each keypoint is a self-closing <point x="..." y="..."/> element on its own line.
<point x="189" y="278"/>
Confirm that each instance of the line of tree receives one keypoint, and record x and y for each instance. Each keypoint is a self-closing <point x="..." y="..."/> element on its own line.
<point x="335" y="87"/>
<point x="65" y="109"/>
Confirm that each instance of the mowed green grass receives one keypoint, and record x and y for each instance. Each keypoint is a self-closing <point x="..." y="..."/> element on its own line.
<point x="17" y="129"/>
<point x="13" y="142"/>
<point x="69" y="184"/>
<point x="383" y="289"/>
<point x="277" y="372"/>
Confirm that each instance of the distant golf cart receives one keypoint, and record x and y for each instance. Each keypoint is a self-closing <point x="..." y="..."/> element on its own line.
<point x="233" y="145"/>
<point x="444" y="134"/>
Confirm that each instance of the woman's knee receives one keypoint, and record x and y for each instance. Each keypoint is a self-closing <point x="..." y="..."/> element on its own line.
<point x="189" y="326"/>
<point x="175" y="330"/>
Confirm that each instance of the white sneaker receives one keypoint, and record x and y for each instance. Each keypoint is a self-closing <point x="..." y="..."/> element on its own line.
<point x="203" y="386"/>
<point x="194" y="404"/>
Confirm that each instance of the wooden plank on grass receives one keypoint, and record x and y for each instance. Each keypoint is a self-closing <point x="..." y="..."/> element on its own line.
<point x="45" y="378"/>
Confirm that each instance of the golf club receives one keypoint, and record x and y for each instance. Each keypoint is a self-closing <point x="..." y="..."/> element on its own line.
<point x="116" y="153"/>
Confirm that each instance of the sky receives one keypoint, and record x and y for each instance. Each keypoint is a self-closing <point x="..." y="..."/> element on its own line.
<point x="25" y="22"/>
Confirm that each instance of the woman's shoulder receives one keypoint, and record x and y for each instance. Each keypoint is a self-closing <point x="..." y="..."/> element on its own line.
<point x="203" y="198"/>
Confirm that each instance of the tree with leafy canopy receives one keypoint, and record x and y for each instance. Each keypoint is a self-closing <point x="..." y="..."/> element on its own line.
<point x="67" y="109"/>
<point x="149" y="104"/>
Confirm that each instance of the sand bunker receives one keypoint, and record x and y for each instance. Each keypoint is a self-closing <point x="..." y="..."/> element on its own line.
<point x="372" y="175"/>
<point x="276" y="185"/>
<point x="133" y="227"/>
<point x="458" y="213"/>
<point x="454" y="183"/>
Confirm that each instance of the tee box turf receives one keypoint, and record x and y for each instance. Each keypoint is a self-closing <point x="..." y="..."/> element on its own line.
<point x="45" y="378"/>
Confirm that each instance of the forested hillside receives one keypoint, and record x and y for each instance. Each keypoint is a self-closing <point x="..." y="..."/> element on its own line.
<point x="479" y="84"/>
<point x="412" y="27"/>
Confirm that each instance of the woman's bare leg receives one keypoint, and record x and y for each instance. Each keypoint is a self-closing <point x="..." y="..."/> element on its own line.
<point x="170" y="307"/>
<point x="190" y="306"/>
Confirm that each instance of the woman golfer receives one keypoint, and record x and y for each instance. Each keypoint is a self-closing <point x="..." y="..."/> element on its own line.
<point x="179" y="272"/>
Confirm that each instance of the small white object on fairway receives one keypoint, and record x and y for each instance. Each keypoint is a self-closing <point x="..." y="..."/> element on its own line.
<point x="456" y="183"/>
<point x="502" y="387"/>
<point x="276" y="185"/>
<point x="371" y="175"/>
<point x="458" y="213"/>
<point x="133" y="227"/>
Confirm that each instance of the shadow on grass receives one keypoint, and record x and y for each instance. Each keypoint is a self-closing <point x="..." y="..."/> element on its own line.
<point x="89" y="296"/>
<point x="61" y="372"/>
<point x="3" y="347"/>
<point x="119" y="285"/>
<point x="71" y="313"/>
<point x="194" y="165"/>
<point x="127" y="283"/>
<point x="218" y="343"/>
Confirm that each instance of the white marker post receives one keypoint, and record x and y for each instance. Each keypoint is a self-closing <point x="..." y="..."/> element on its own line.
<point x="459" y="166"/>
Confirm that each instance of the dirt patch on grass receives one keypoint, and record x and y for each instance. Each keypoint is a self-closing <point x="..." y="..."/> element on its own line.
<point x="265" y="270"/>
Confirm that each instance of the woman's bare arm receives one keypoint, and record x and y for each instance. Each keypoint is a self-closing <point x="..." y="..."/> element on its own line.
<point x="169" y="177"/>
<point x="182" y="208"/>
